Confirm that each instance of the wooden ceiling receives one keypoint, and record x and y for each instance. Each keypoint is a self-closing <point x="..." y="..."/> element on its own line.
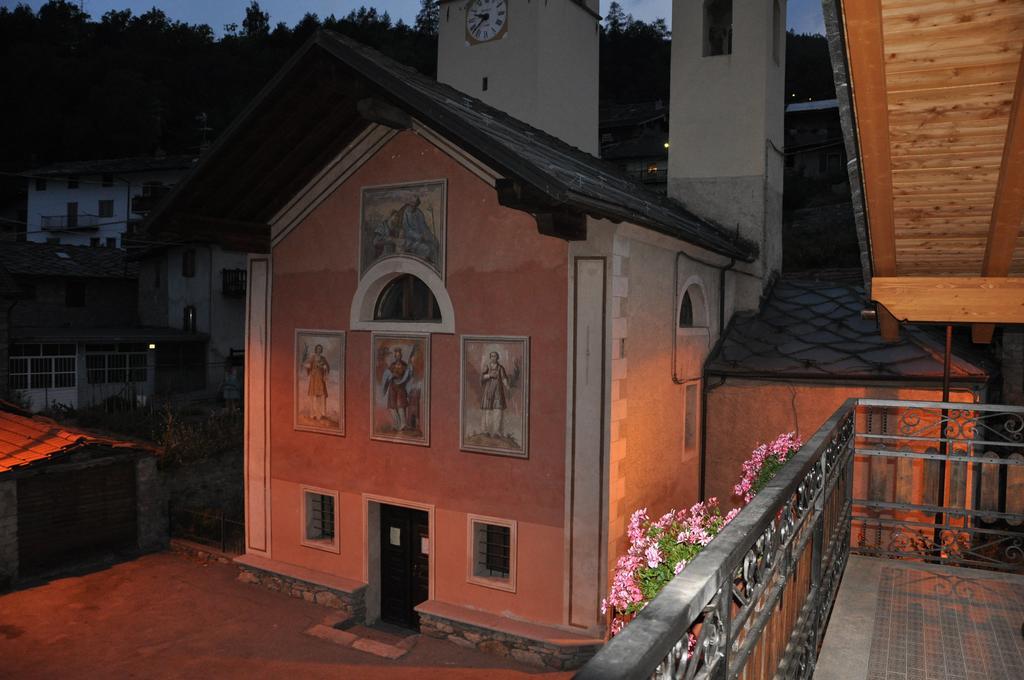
<point x="936" y="90"/>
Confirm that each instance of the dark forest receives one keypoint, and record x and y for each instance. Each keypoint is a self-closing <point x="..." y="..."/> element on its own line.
<point x="124" y="84"/>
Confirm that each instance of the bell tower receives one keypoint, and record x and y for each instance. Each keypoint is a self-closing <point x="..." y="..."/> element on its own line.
<point x="536" y="60"/>
<point x="726" y="121"/>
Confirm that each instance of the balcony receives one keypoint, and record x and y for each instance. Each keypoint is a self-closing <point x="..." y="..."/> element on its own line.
<point x="144" y="203"/>
<point x="233" y="282"/>
<point x="915" y="496"/>
<point x="73" y="222"/>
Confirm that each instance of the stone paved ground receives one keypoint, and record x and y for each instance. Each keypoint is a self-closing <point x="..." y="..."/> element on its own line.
<point x="169" y="616"/>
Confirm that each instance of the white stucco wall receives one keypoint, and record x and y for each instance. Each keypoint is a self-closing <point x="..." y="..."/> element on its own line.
<point x="53" y="200"/>
<point x="220" y="316"/>
<point x="726" y="126"/>
<point x="544" y="70"/>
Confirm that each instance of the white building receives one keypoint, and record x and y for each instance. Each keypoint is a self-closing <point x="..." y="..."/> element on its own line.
<point x="199" y="290"/>
<point x="97" y="203"/>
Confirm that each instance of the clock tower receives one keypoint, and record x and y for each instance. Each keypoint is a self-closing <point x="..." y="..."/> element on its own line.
<point x="536" y="60"/>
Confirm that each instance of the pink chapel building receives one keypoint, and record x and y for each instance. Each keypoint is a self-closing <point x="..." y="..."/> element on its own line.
<point x="473" y="348"/>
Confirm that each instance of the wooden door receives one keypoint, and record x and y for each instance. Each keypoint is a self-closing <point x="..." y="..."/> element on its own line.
<point x="404" y="564"/>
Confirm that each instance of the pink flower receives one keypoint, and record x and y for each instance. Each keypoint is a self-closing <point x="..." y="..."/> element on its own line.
<point x="678" y="568"/>
<point x="653" y="556"/>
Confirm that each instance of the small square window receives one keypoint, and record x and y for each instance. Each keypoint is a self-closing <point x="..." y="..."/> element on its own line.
<point x="320" y="519"/>
<point x="106" y="208"/>
<point x="111" y="241"/>
<point x="492" y="554"/>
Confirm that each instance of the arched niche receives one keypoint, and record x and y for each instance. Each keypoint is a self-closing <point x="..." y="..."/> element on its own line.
<point x="377" y="279"/>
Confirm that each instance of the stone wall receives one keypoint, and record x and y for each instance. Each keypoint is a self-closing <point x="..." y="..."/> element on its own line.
<point x="523" y="650"/>
<point x="152" y="505"/>
<point x="353" y="604"/>
<point x="8" y="533"/>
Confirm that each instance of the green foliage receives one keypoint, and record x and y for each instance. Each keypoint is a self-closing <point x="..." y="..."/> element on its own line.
<point x="771" y="467"/>
<point x="185" y="440"/>
<point x="428" y="17"/>
<point x="184" y="435"/>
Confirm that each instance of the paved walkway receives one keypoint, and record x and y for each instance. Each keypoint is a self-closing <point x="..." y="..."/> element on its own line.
<point x="169" y="616"/>
<point x="911" y="621"/>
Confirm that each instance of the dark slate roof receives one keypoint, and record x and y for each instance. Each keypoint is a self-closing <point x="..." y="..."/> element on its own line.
<point x="569" y="176"/>
<point x="113" y="165"/>
<point x="558" y="177"/>
<point x="613" y="116"/>
<point x="25" y="258"/>
<point x="8" y="287"/>
<point x="814" y="330"/>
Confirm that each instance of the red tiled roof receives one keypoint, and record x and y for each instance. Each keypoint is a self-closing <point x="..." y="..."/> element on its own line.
<point x="25" y="439"/>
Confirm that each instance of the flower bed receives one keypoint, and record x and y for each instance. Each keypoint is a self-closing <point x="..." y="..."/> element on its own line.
<point x="765" y="463"/>
<point x="659" y="549"/>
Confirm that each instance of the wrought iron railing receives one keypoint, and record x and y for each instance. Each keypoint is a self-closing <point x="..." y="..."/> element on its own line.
<point x="210" y="528"/>
<point x="233" y="282"/>
<point x="757" y="599"/>
<point x="69" y="221"/>
<point x="940" y="482"/>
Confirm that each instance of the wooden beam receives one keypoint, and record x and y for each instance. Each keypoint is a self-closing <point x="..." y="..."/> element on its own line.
<point x="1008" y="210"/>
<point x="951" y="300"/>
<point x="888" y="326"/>
<point x="866" y="55"/>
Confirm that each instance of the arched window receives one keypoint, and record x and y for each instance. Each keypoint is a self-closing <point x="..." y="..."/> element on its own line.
<point x="406" y="298"/>
<point x="693" y="309"/>
<point x="686" y="311"/>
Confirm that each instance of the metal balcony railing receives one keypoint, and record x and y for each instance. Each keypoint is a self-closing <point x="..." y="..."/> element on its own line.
<point x="940" y="482"/>
<point x="761" y="592"/>
<point x="66" y="222"/>
<point x="233" y="282"/>
<point x="936" y="482"/>
<point x="143" y="203"/>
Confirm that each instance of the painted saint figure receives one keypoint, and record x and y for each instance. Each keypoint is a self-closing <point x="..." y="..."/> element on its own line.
<point x="495" y="395"/>
<point x="396" y="388"/>
<point x="317" y="369"/>
<point x="419" y="239"/>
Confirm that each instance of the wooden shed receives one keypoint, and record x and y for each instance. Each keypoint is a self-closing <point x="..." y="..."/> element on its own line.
<point x="68" y="496"/>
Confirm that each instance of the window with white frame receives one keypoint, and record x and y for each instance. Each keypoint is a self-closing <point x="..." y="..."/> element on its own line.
<point x="116" y="363"/>
<point x="492" y="552"/>
<point x="320" y="518"/>
<point x="42" y="366"/>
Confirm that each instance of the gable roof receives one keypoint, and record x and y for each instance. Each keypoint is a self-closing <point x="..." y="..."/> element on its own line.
<point x="813" y="330"/>
<point x="26" y="258"/>
<point x="113" y="165"/>
<point x="309" y="112"/>
<point x="27" y="440"/>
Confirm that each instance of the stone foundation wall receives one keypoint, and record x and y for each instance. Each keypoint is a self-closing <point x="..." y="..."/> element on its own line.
<point x="152" y="505"/>
<point x="523" y="650"/>
<point x="353" y="604"/>
<point x="8" y="534"/>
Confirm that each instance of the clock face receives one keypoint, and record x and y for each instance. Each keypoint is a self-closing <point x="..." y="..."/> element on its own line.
<point x="486" y="20"/>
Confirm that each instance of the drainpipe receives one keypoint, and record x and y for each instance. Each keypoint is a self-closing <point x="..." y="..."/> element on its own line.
<point x="947" y="361"/>
<point x="702" y="458"/>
